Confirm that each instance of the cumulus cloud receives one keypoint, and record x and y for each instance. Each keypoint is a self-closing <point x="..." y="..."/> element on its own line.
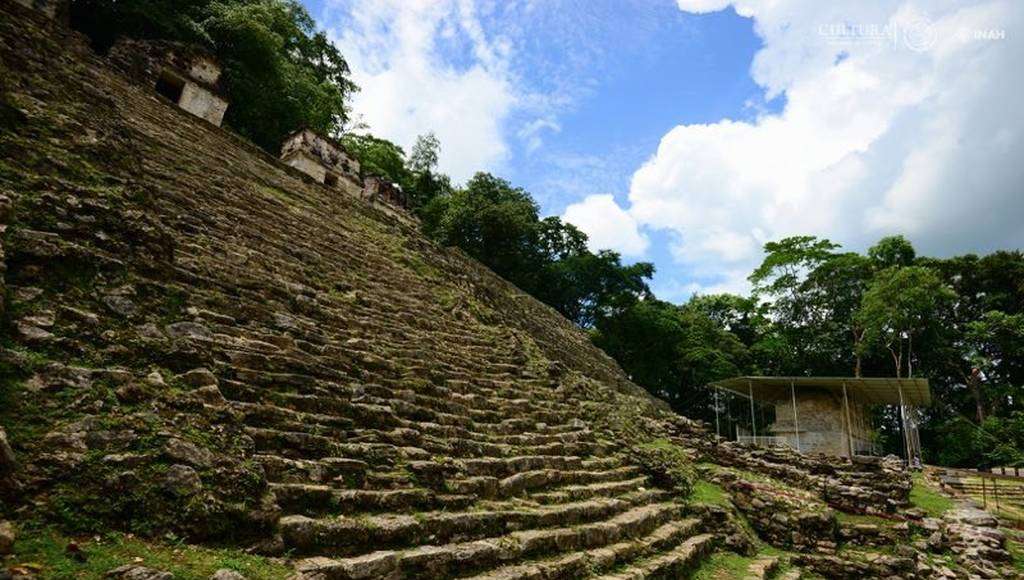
<point x="607" y="226"/>
<point x="429" y="66"/>
<point x="897" y="119"/>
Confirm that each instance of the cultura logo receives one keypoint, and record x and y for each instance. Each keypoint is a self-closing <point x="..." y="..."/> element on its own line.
<point x="918" y="35"/>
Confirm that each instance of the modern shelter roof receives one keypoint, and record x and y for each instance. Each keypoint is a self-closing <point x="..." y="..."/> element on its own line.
<point x="873" y="391"/>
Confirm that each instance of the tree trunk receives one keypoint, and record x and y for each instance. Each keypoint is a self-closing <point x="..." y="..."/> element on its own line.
<point x="910" y="355"/>
<point x="974" y="384"/>
<point x="858" y="337"/>
<point x="896" y="359"/>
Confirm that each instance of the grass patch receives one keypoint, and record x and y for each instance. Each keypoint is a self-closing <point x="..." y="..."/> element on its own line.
<point x="710" y="493"/>
<point x="854" y="519"/>
<point x="924" y="496"/>
<point x="723" y="566"/>
<point x="45" y="550"/>
<point x="1016" y="550"/>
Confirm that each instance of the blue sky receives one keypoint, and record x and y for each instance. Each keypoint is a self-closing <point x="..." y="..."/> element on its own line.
<point x="690" y="132"/>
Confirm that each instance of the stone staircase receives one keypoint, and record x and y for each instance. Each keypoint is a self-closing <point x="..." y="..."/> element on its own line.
<point x="405" y="412"/>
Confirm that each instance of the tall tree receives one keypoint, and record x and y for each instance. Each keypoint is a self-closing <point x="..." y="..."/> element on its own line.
<point x="897" y="306"/>
<point x="892" y="252"/>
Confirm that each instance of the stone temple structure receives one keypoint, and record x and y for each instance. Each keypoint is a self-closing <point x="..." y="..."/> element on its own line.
<point x="187" y="75"/>
<point x="379" y="190"/>
<point x="829" y="415"/>
<point x="323" y="159"/>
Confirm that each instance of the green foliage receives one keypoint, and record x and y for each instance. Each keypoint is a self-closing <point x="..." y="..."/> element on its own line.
<point x="499" y="224"/>
<point x="784" y="262"/>
<point x="280" y="73"/>
<point x="892" y="252"/>
<point x="667" y="465"/>
<point x="899" y="304"/>
<point x="377" y="156"/>
<point x="671" y="351"/>
<point x="417" y="175"/>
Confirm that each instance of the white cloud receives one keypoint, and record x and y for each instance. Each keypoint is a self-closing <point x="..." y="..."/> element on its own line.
<point x="531" y="132"/>
<point x="410" y="86"/>
<point x="607" y="226"/>
<point x="915" y="134"/>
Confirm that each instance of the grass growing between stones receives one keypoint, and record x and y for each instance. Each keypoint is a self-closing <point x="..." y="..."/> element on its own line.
<point x="44" y="552"/>
<point x="845" y="518"/>
<point x="723" y="566"/>
<point x="709" y="493"/>
<point x="1016" y="549"/>
<point x="924" y="496"/>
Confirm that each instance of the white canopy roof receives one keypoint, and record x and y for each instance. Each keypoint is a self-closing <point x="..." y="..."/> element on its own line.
<point x="873" y="391"/>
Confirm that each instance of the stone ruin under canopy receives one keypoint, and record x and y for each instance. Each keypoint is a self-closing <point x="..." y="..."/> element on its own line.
<point x="829" y="415"/>
<point x="186" y="75"/>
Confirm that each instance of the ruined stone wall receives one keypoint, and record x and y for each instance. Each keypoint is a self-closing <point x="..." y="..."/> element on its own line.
<point x="203" y="104"/>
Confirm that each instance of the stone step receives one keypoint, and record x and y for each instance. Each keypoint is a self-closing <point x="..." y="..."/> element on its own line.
<point x="680" y="562"/>
<point x="351" y="536"/>
<point x="515" y="466"/>
<point x="261" y="415"/>
<point x="587" y="563"/>
<point x="533" y="481"/>
<point x="340" y="471"/>
<point x="307" y="499"/>
<point x="589" y="491"/>
<point x="377" y="412"/>
<point x="448" y="560"/>
<point x="762" y="568"/>
<point x="293" y="444"/>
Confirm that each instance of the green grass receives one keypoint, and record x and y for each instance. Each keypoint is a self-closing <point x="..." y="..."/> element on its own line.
<point x="923" y="496"/>
<point x="707" y="492"/>
<point x="723" y="566"/>
<point x="45" y="550"/>
<point x="846" y="518"/>
<point x="1016" y="550"/>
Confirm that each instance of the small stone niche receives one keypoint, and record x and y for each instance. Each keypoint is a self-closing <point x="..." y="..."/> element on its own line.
<point x="323" y="159"/>
<point x="186" y="75"/>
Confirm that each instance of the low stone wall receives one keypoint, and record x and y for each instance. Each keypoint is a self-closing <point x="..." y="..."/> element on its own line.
<point x="873" y="535"/>
<point x="867" y="565"/>
<point x="785" y="519"/>
<point x="862" y="486"/>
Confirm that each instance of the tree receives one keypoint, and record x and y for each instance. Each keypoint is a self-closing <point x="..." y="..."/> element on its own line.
<point x="425" y="153"/>
<point x="832" y="294"/>
<point x="892" y="251"/>
<point x="995" y="346"/>
<point x="897" y="306"/>
<point x="377" y="156"/>
<point x="671" y="351"/>
<point x="499" y="224"/>
<point x="280" y="73"/>
<point x="786" y="261"/>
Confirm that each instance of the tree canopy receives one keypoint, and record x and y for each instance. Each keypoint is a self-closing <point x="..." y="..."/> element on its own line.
<point x="500" y="225"/>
